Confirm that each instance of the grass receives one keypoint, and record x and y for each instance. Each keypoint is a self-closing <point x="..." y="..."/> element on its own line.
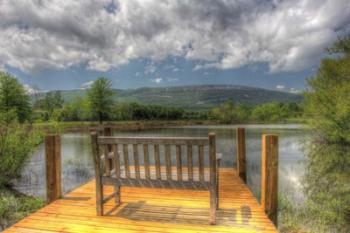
<point x="15" y="206"/>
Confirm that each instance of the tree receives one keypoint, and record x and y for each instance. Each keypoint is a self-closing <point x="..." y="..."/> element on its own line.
<point x="14" y="98"/>
<point x="225" y="112"/>
<point x="51" y="101"/>
<point x="100" y="97"/>
<point x="327" y="102"/>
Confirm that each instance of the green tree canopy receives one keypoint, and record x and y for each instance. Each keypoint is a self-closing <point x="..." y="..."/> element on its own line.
<point x="327" y="102"/>
<point x="100" y="97"/>
<point x="14" y="98"/>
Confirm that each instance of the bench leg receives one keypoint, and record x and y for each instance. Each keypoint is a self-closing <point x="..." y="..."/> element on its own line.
<point x="213" y="205"/>
<point x="217" y="192"/>
<point x="99" y="200"/>
<point x="117" y="194"/>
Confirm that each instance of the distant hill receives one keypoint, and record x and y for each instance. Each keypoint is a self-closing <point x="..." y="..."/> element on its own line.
<point x="195" y="97"/>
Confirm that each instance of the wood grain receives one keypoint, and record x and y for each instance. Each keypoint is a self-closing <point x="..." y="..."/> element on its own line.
<point x="152" y="210"/>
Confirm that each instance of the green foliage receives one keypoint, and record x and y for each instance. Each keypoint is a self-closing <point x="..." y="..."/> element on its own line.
<point x="100" y="97"/>
<point x="50" y="103"/>
<point x="135" y="111"/>
<point x="13" y="98"/>
<point x="265" y="113"/>
<point x="15" y="206"/>
<point x="327" y="103"/>
<point x="225" y="112"/>
<point x="16" y="143"/>
<point x="77" y="110"/>
<point x="327" y="187"/>
<point x="275" y="112"/>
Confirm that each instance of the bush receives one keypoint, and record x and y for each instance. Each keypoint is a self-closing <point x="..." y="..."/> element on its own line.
<point x="16" y="144"/>
<point x="15" y="206"/>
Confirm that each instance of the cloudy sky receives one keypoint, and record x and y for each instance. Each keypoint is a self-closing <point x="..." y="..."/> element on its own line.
<point x="276" y="44"/>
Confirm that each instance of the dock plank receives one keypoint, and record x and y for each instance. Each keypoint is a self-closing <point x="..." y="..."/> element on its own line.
<point x="152" y="210"/>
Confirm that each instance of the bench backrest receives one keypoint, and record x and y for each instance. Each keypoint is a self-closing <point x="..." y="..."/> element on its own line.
<point x="114" y="155"/>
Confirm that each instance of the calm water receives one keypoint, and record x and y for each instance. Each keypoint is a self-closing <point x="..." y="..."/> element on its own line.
<point x="78" y="169"/>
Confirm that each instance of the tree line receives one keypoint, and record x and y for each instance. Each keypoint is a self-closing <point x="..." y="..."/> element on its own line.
<point x="99" y="105"/>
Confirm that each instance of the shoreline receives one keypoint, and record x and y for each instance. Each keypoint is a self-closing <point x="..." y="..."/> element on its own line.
<point x="138" y="125"/>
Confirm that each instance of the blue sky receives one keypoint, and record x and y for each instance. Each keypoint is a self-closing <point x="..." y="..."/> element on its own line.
<point x="169" y="72"/>
<point x="272" y="44"/>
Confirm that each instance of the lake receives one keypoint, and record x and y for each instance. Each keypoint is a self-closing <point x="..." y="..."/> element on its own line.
<point x="77" y="164"/>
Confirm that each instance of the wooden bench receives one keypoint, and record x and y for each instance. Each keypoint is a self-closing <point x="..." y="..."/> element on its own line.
<point x="112" y="157"/>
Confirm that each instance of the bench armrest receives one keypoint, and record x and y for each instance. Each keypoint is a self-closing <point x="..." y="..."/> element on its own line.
<point x="218" y="156"/>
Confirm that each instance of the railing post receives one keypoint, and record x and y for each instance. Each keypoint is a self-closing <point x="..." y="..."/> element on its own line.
<point x="107" y="131"/>
<point x="241" y="154"/>
<point x="269" y="176"/>
<point x="53" y="167"/>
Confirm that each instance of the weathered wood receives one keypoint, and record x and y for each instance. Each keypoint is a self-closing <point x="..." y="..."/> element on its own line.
<point x="157" y="161"/>
<point x="154" y="140"/>
<point x="201" y="162"/>
<point x="213" y="185"/>
<point x="152" y="210"/>
<point x="269" y="176"/>
<point x="98" y="175"/>
<point x="170" y="184"/>
<point x="116" y="160"/>
<point x="107" y="160"/>
<point x="146" y="161"/>
<point x="107" y="131"/>
<point x="168" y="162"/>
<point x="190" y="162"/>
<point x="126" y="160"/>
<point x="117" y="179"/>
<point x="136" y="161"/>
<point x="178" y="162"/>
<point x="241" y="154"/>
<point x="53" y="167"/>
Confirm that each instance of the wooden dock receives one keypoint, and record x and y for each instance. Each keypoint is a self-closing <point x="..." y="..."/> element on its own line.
<point x="152" y="210"/>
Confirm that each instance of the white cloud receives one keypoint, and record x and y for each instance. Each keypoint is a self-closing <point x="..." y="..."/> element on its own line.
<point x="287" y="35"/>
<point x="280" y="87"/>
<point x="86" y="85"/>
<point x="30" y="90"/>
<point x="294" y="90"/>
<point x="150" y="69"/>
<point x="157" y="80"/>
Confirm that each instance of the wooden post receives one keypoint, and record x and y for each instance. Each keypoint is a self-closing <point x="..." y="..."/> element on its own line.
<point x="213" y="185"/>
<point x="269" y="176"/>
<point x="107" y="131"/>
<point x="241" y="154"/>
<point x="53" y="167"/>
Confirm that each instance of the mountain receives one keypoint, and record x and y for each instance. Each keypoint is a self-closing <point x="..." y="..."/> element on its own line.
<point x="195" y="97"/>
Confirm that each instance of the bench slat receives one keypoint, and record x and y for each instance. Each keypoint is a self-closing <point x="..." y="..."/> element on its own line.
<point x="107" y="165"/>
<point x="157" y="161"/>
<point x="190" y="162"/>
<point x="171" y="184"/>
<point x="126" y="160"/>
<point x="116" y="160"/>
<point x="168" y="161"/>
<point x="201" y="162"/>
<point x="136" y="161"/>
<point x="146" y="160"/>
<point x="178" y="162"/>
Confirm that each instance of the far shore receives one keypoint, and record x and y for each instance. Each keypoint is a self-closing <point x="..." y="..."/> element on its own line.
<point x="86" y="126"/>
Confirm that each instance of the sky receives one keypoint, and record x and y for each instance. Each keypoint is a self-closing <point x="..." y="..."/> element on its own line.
<point x="274" y="44"/>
